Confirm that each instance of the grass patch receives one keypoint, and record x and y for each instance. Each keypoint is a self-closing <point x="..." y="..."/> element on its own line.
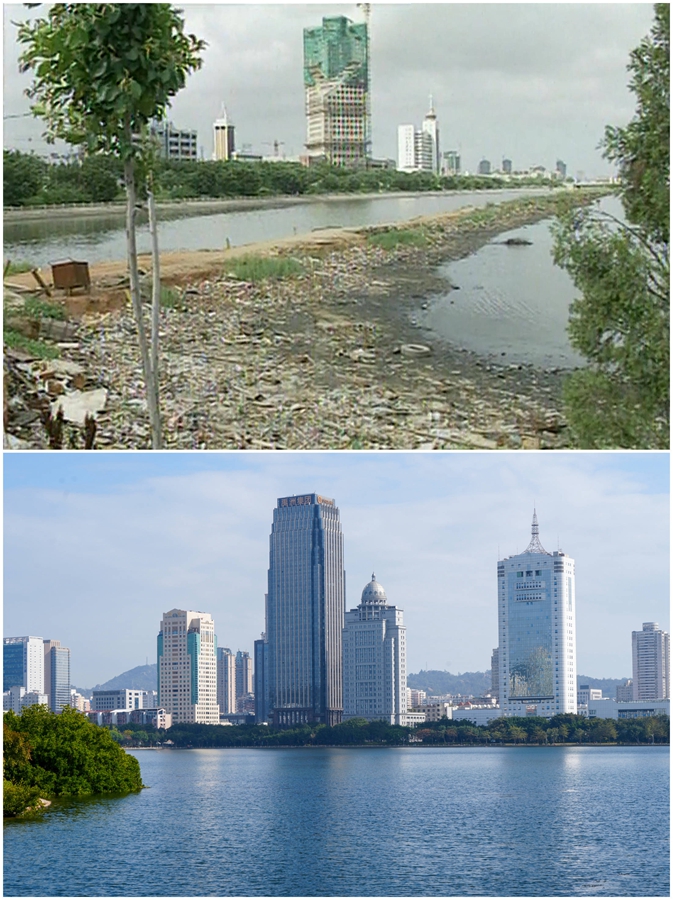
<point x="36" y="308"/>
<point x="389" y="240"/>
<point x="37" y="348"/>
<point x="170" y="298"/>
<point x="257" y="268"/>
<point x="16" y="267"/>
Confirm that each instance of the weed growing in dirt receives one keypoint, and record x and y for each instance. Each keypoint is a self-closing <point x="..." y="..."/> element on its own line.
<point x="389" y="240"/>
<point x="257" y="268"/>
<point x="37" y="348"/>
<point x="36" y="308"/>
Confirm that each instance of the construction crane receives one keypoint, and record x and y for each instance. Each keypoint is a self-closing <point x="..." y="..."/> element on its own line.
<point x="276" y="145"/>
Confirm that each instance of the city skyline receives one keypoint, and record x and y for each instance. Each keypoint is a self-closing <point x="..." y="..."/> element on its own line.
<point x="530" y="82"/>
<point x="431" y="527"/>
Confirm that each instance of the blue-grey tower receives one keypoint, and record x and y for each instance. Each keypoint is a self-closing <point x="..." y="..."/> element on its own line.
<point x="305" y="612"/>
<point x="536" y="618"/>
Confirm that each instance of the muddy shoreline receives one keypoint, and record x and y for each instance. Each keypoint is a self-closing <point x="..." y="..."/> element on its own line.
<point x="320" y="360"/>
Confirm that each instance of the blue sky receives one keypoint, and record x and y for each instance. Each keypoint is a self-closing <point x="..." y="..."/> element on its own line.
<point x="98" y="546"/>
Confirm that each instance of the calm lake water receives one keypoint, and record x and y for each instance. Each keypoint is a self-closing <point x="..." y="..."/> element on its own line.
<point x="103" y="238"/>
<point x="513" y="302"/>
<point x="548" y="821"/>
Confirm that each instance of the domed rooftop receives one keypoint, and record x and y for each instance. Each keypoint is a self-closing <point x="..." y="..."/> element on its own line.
<point x="374" y="593"/>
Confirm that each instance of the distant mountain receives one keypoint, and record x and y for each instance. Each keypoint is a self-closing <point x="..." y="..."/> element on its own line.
<point x="142" y="678"/>
<point x="477" y="683"/>
<point x="436" y="682"/>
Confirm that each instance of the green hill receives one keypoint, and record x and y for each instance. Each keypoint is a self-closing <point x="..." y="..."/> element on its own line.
<point x="142" y="678"/>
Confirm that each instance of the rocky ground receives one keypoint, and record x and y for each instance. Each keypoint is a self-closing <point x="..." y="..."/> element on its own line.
<point x="325" y="359"/>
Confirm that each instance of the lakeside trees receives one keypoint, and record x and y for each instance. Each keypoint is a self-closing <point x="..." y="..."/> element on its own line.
<point x="564" y="728"/>
<point x="48" y="755"/>
<point x="621" y="321"/>
<point x="30" y="181"/>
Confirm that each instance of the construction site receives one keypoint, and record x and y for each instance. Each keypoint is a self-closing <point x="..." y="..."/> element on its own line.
<point x="337" y="85"/>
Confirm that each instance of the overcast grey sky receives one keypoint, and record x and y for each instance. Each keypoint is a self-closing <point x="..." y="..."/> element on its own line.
<point x="98" y="546"/>
<point x="534" y="82"/>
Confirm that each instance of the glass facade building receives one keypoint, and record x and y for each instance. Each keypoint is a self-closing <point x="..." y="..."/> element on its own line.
<point x="23" y="663"/>
<point x="305" y="612"/>
<point x="536" y="615"/>
<point x="57" y="675"/>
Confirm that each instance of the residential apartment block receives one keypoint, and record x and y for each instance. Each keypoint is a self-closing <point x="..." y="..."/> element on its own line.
<point x="651" y="650"/>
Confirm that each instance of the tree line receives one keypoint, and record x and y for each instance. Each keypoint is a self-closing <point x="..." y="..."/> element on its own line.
<point x="561" y="729"/>
<point x="30" y="180"/>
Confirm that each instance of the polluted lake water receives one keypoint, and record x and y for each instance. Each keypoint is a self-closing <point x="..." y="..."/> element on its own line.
<point x="507" y="302"/>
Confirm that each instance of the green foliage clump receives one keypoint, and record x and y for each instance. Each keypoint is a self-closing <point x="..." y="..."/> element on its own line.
<point x="621" y="321"/>
<point x="36" y="308"/>
<point x="63" y="755"/>
<point x="390" y="240"/>
<point x="40" y="349"/>
<point x="258" y="268"/>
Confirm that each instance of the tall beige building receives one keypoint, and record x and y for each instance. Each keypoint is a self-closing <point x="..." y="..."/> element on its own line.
<point x="187" y="667"/>
<point x="223" y="137"/>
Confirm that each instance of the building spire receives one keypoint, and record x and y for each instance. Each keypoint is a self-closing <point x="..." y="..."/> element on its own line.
<point x="535" y="546"/>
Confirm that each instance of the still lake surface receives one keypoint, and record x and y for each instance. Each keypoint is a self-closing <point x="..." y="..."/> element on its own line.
<point x="547" y="821"/>
<point x="100" y="238"/>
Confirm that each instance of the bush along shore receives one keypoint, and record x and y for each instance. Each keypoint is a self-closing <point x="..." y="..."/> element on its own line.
<point x="48" y="756"/>
<point x="307" y="343"/>
<point x="527" y="730"/>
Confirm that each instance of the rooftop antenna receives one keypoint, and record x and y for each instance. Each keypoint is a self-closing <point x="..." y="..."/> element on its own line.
<point x="535" y="546"/>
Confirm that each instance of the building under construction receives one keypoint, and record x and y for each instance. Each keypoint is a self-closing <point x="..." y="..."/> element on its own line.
<point x="336" y="79"/>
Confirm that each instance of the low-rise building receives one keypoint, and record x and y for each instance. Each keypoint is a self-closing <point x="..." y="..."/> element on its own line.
<point x="479" y="715"/>
<point x="435" y="711"/>
<point x="606" y="708"/>
<point x="121" y="699"/>
<point x="585" y="693"/>
<point x="18" y="698"/>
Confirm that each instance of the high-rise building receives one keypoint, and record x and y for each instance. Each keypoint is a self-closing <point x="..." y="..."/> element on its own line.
<point x="561" y="169"/>
<point x="186" y="667"/>
<point x="226" y="681"/>
<point x="375" y="659"/>
<point x="484" y="167"/>
<point x="536" y="616"/>
<point x="506" y="167"/>
<point x="495" y="673"/>
<point x="243" y="679"/>
<point x="452" y="162"/>
<point x="431" y="128"/>
<point x="305" y="611"/>
<point x="56" y="675"/>
<point x="651" y="651"/>
<point x="261" y="680"/>
<point x="223" y="138"/>
<point x="336" y="82"/>
<point x="23" y="663"/>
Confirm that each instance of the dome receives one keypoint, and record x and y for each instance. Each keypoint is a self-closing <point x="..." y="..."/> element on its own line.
<point x="374" y="593"/>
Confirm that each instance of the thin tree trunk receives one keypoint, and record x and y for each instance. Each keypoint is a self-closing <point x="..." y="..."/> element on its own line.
<point x="134" y="281"/>
<point x="156" y="287"/>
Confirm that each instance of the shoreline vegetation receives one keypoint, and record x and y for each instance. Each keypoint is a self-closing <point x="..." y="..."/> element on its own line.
<point x="308" y="342"/>
<point x="565" y="729"/>
<point x="48" y="756"/>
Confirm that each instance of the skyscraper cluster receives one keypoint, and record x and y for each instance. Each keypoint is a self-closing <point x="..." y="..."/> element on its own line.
<point x="35" y="671"/>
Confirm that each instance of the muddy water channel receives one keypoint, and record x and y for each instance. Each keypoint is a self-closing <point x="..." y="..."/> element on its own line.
<point x="508" y="303"/>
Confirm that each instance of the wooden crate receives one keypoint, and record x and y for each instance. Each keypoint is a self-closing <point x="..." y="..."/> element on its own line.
<point x="70" y="274"/>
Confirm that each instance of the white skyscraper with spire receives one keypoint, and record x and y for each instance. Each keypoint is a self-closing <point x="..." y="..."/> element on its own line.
<point x="536" y="619"/>
<point x="431" y="127"/>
